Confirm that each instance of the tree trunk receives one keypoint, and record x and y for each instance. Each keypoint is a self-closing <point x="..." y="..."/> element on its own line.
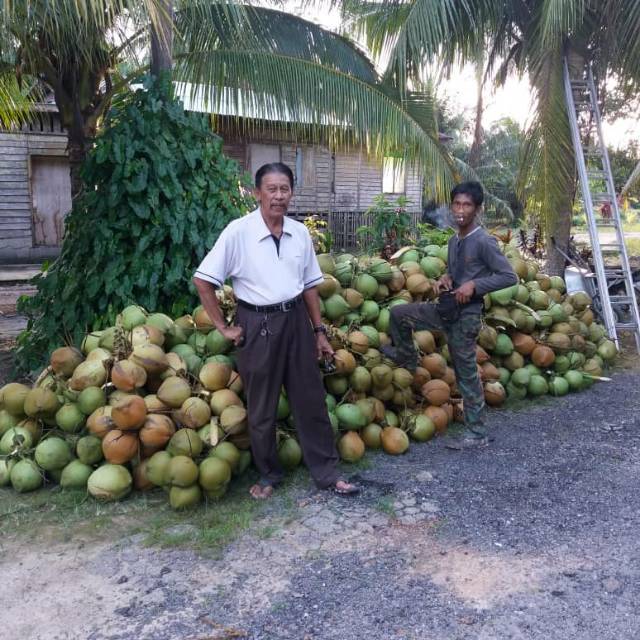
<point x="162" y="40"/>
<point x="475" y="153"/>
<point x="77" y="147"/>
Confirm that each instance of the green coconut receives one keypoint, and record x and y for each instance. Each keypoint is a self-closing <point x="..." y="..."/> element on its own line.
<point x="336" y="306"/>
<point x="580" y="300"/>
<point x="596" y="332"/>
<point x="185" y="442"/>
<point x="502" y="297"/>
<point x="229" y="452"/>
<point x="184" y="497"/>
<point x="561" y="364"/>
<point x="17" y="439"/>
<point x="151" y="358"/>
<point x="12" y="397"/>
<point x="326" y="262"/>
<point x="289" y="453"/>
<point x="110" y="482"/>
<point x="64" y="360"/>
<point x="381" y="271"/>
<point x="108" y="338"/>
<point x="90" y="342"/>
<point x="214" y="473"/>
<point x="521" y="377"/>
<point x="75" y="475"/>
<point x="360" y="380"/>
<point x="132" y="316"/>
<point x="371" y="436"/>
<point x="515" y="392"/>
<point x="504" y="345"/>
<point x="576" y="359"/>
<point x="89" y="449"/>
<point x="157" y="468"/>
<point x="7" y="421"/>
<point x="6" y="465"/>
<point x="52" y="453"/>
<point x="216" y="343"/>
<point x="182" y="471"/>
<point x="90" y="373"/>
<point x="40" y="403"/>
<point x="90" y="399"/>
<point x="367" y="285"/>
<point x="422" y="428"/>
<point x="26" y="476"/>
<point x="372" y="335"/>
<point x="592" y="367"/>
<point x="283" y="410"/>
<point x="69" y="418"/>
<point x="432" y="267"/>
<point x="575" y="379"/>
<point x="344" y="273"/>
<point x="369" y="311"/>
<point x="160" y="321"/>
<point x="558" y="386"/>
<point x="350" y="416"/>
<point x="337" y="385"/>
<point x="537" y="386"/>
<point x="607" y="350"/>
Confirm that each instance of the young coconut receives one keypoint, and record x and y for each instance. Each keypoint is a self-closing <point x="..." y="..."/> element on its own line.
<point x="109" y="482"/>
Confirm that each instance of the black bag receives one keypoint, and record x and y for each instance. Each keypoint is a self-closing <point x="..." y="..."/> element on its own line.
<point x="448" y="307"/>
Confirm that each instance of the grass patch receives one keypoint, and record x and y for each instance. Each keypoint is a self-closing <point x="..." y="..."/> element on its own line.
<point x="633" y="246"/>
<point x="385" y="505"/>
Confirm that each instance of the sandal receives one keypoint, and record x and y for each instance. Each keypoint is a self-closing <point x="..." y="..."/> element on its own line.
<point x="262" y="490"/>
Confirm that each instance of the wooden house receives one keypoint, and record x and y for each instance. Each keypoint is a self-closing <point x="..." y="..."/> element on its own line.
<point x="338" y="185"/>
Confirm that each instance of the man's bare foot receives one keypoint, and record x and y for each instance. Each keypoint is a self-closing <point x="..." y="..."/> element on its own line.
<point x="261" y="492"/>
<point x="344" y="488"/>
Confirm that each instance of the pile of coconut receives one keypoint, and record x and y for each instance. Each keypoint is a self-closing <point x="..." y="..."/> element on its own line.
<point x="157" y="402"/>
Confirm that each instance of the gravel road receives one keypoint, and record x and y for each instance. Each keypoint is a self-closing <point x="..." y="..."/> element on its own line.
<point x="534" y="537"/>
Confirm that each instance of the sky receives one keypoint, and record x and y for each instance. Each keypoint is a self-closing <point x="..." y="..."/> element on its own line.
<point x="514" y="100"/>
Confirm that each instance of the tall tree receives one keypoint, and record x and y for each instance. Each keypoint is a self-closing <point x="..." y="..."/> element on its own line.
<point x="282" y="67"/>
<point x="529" y="36"/>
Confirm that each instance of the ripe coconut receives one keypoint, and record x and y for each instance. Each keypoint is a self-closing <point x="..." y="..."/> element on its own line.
<point x="150" y="357"/>
<point x="394" y="440"/>
<point x="185" y="442"/>
<point x="421" y="428"/>
<point x="69" y="418"/>
<point x="182" y="471"/>
<point x="174" y="391"/>
<point x="402" y="378"/>
<point x="194" y="413"/>
<point x="523" y="343"/>
<point x="351" y="447"/>
<point x="215" y="376"/>
<point x="214" y="473"/>
<point x="75" y="475"/>
<point x="109" y="482"/>
<point x="360" y="380"/>
<point x="202" y="320"/>
<point x="543" y="356"/>
<point x="184" y="497"/>
<point x="90" y="373"/>
<point x="289" y="453"/>
<point x="229" y="452"/>
<point x="157" y="430"/>
<point x="439" y="416"/>
<point x="435" y="364"/>
<point x="494" y="394"/>
<point x="40" y="403"/>
<point x="120" y="447"/>
<point x="129" y="413"/>
<point x="146" y="334"/>
<point x="436" y="392"/>
<point x="489" y="372"/>
<point x="222" y="399"/>
<point x="99" y="423"/>
<point x="26" y="476"/>
<point x="233" y="420"/>
<point x="140" y="479"/>
<point x="358" y="341"/>
<point x="128" y="376"/>
<point x="12" y="397"/>
<point x="64" y="361"/>
<point x="449" y="376"/>
<point x="154" y="404"/>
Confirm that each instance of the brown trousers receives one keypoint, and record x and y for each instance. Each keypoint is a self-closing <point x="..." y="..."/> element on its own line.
<point x="280" y="349"/>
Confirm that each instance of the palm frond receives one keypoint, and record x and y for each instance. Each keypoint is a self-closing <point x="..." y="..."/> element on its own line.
<point x="16" y="106"/>
<point x="559" y="18"/>
<point x="314" y="101"/>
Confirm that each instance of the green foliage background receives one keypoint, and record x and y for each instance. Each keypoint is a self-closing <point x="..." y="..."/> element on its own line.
<point x="157" y="193"/>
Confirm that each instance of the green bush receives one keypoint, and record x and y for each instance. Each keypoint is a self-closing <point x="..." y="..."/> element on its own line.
<point x="158" y="192"/>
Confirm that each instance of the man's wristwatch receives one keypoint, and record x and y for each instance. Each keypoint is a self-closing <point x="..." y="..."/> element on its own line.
<point x="320" y="328"/>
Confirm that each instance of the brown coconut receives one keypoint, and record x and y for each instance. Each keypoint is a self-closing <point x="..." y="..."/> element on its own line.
<point x="420" y="376"/>
<point x="64" y="360"/>
<point x="397" y="280"/>
<point x="435" y="364"/>
<point x="494" y="394"/>
<point x="156" y="430"/>
<point x="481" y="355"/>
<point x="202" y="321"/>
<point x="120" y="447"/>
<point x="489" y="372"/>
<point x="425" y="341"/>
<point x="128" y="376"/>
<point x="151" y="358"/>
<point x="543" y="356"/>
<point x="458" y="411"/>
<point x="523" y="343"/>
<point x="140" y="480"/>
<point x="351" y="447"/>
<point x="436" y="392"/>
<point x="146" y="334"/>
<point x="345" y="362"/>
<point x="129" y="413"/>
<point x="439" y="416"/>
<point x="99" y="423"/>
<point x="418" y="285"/>
<point x="449" y="376"/>
<point x="394" y="440"/>
<point x="358" y="341"/>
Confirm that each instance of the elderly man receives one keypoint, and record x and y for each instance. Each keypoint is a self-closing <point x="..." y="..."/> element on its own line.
<point x="476" y="266"/>
<point x="278" y="331"/>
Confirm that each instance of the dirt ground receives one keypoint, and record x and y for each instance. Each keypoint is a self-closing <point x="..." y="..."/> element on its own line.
<point x="534" y="537"/>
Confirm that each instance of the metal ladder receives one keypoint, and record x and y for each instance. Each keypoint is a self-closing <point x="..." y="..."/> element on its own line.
<point x="597" y="187"/>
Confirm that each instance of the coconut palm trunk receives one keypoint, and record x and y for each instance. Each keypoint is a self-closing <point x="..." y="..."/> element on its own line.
<point x="162" y="39"/>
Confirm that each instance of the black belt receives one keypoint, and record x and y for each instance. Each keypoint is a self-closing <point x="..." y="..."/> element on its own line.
<point x="287" y="305"/>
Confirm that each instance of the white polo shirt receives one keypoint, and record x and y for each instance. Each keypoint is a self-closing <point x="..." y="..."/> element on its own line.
<point x="246" y="252"/>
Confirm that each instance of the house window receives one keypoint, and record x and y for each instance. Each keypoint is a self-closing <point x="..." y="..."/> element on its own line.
<point x="263" y="154"/>
<point x="305" y="167"/>
<point x="393" y="175"/>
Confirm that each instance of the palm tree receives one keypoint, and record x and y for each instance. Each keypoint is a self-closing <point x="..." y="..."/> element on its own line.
<point x="86" y="51"/>
<point x="526" y="36"/>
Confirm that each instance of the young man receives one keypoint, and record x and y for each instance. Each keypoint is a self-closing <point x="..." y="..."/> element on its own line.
<point x="278" y="332"/>
<point x="476" y="266"/>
